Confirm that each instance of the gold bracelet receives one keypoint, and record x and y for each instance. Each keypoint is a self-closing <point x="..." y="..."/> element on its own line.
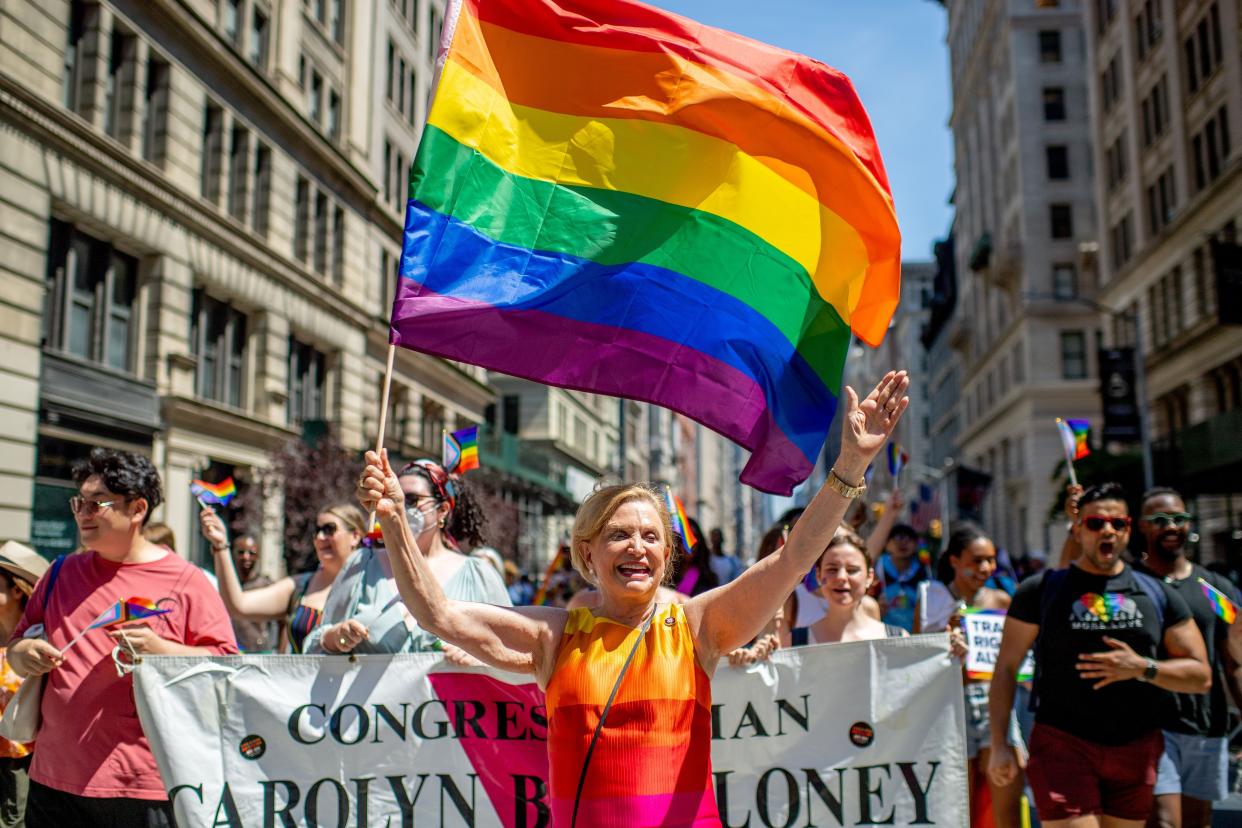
<point x="837" y="483"/>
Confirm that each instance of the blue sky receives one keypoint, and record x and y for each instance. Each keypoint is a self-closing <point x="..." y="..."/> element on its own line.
<point x="899" y="64"/>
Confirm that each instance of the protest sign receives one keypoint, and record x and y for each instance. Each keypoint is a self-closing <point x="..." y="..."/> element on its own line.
<point x="832" y="735"/>
<point x="983" y="628"/>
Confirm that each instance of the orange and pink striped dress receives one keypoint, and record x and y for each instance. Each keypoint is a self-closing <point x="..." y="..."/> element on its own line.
<point x="652" y="763"/>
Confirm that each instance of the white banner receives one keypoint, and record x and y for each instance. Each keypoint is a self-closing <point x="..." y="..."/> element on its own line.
<point x="834" y="735"/>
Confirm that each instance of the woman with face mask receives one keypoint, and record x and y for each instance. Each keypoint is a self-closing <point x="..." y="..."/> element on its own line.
<point x="364" y="612"/>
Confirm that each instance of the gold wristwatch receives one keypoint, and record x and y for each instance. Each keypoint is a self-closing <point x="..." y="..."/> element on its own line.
<point x="838" y="485"/>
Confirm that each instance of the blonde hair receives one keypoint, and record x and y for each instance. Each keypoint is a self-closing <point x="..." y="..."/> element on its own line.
<point x="160" y="534"/>
<point x="595" y="512"/>
<point x="350" y="515"/>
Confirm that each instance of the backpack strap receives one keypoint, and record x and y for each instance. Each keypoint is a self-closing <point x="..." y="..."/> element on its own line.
<point x="1154" y="590"/>
<point x="52" y="575"/>
<point x="1049" y="588"/>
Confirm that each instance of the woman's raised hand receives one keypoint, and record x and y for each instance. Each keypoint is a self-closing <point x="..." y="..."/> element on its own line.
<point x="867" y="424"/>
<point x="379" y="491"/>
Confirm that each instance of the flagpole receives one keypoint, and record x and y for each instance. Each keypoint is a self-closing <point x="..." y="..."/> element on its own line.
<point x="1069" y="459"/>
<point x="383" y="417"/>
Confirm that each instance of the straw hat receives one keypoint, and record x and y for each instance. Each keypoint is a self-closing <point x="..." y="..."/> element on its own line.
<point x="22" y="561"/>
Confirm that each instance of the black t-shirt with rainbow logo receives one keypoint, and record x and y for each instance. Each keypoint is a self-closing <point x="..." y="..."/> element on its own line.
<point x="1084" y="609"/>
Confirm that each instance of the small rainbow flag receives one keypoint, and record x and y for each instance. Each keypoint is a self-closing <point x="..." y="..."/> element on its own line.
<point x="677" y="515"/>
<point x="897" y="459"/>
<point x="1221" y="605"/>
<point x="218" y="494"/>
<point x="461" y="450"/>
<point x="1074" y="438"/>
<point x="122" y="612"/>
<point x="375" y="537"/>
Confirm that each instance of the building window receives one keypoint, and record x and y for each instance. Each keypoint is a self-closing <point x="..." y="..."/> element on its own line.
<point x="1161" y="201"/>
<point x="432" y="426"/>
<point x="314" y="104"/>
<point x="218" y="340"/>
<point x="321" y="234"/>
<point x="388" y="170"/>
<point x="1058" y="162"/>
<point x="1054" y="103"/>
<point x="1062" y="221"/>
<point x="390" y="272"/>
<point x="230" y="20"/>
<point x="1148" y="27"/>
<point x="511" y="413"/>
<point x="390" y="84"/>
<point x="334" y="115"/>
<point x="212" y="161"/>
<point x="307" y="369"/>
<point x="1116" y="163"/>
<point x="411" y="114"/>
<point x="118" y="81"/>
<point x="1212" y="148"/>
<point x="338" y="245"/>
<point x="1064" y="281"/>
<point x="74" y="56"/>
<point x="1105" y="11"/>
<point x="1203" y="50"/>
<point x="302" y="72"/>
<point x="1155" y="109"/>
<point x="400" y="98"/>
<point x="259" y="211"/>
<point x="1073" y="355"/>
<point x="258" y="39"/>
<point x="1121" y="240"/>
<point x="1050" y="46"/>
<point x="1110" y="84"/>
<point x="433" y="34"/>
<point x="338" y="21"/>
<point x="301" y="219"/>
<point x="239" y="166"/>
<point x="91" y="290"/>
<point x="155" y="123"/>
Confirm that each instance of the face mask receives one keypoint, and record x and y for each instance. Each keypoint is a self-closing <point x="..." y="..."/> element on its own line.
<point x="417" y="520"/>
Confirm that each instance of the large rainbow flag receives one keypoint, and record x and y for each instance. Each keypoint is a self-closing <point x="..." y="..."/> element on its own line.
<point x="616" y="199"/>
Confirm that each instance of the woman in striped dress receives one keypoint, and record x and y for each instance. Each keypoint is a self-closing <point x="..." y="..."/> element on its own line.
<point x="628" y="681"/>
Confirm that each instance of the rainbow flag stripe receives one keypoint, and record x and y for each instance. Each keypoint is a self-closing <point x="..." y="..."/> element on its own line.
<point x="1221" y="605"/>
<point x="601" y="182"/>
<point x="218" y="494"/>
<point x="1074" y="437"/>
<point x="897" y="459"/>
<point x="677" y="515"/>
<point x="468" y="441"/>
<point x="130" y="609"/>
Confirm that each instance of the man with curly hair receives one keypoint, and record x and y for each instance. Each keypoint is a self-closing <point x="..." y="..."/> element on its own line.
<point x="94" y="765"/>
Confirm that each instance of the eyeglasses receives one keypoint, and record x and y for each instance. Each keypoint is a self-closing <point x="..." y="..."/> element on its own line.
<point x="1096" y="522"/>
<point x="252" y="552"/>
<point x="89" y="508"/>
<point x="326" y="529"/>
<point x="1163" y="519"/>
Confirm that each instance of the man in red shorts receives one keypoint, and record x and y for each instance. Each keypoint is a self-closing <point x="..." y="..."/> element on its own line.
<point x="1100" y="691"/>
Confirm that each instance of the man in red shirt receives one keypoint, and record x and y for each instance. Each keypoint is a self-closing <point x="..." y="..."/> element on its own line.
<point x="94" y="765"/>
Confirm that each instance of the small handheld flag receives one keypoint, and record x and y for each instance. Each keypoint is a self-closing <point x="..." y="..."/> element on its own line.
<point x="214" y="494"/>
<point x="1221" y="605"/>
<point x="1074" y="442"/>
<point x="677" y="515"/>
<point x="461" y="450"/>
<point x="897" y="459"/>
<point x="122" y="612"/>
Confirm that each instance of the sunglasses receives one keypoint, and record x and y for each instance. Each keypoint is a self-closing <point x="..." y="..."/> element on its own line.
<point x="326" y="529"/>
<point x="90" y="508"/>
<point x="1163" y="519"/>
<point x="1096" y="523"/>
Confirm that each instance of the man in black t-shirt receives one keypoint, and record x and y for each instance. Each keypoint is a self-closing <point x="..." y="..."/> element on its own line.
<point x="1194" y="768"/>
<point x="1098" y="628"/>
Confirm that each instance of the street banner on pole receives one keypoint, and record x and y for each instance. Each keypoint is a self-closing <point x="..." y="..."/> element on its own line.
<point x="842" y="734"/>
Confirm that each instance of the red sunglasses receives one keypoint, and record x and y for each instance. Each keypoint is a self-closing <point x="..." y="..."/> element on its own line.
<point x="1096" y="522"/>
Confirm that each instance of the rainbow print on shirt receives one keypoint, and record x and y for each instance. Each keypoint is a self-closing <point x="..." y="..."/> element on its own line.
<point x="1107" y="611"/>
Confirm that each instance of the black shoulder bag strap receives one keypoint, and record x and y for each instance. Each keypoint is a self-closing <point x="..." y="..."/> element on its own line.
<point x="586" y="762"/>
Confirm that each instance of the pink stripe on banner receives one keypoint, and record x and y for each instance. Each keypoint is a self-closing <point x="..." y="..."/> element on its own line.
<point x="695" y="809"/>
<point x="613" y="361"/>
